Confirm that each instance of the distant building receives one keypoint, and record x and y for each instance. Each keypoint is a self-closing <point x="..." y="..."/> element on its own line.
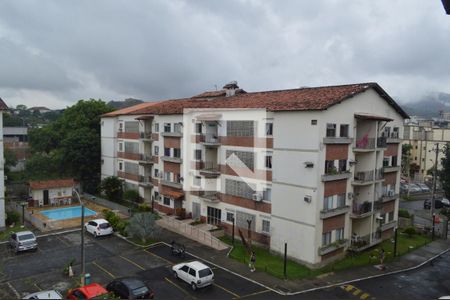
<point x="16" y="140"/>
<point x="51" y="192"/>
<point x="41" y="109"/>
<point x="3" y="108"/>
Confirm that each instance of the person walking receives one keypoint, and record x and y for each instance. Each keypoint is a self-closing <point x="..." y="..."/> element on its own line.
<point x="252" y="262"/>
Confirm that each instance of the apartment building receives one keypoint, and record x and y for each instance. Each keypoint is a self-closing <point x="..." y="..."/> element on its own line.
<point x="316" y="168"/>
<point x="423" y="137"/>
<point x="3" y="108"/>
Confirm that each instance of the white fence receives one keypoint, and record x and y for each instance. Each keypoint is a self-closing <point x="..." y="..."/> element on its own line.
<point x="201" y="236"/>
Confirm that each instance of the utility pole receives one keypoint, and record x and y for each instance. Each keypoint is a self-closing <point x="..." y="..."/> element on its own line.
<point x="83" y="269"/>
<point x="433" y="193"/>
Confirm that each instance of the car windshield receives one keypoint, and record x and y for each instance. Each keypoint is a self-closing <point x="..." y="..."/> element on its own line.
<point x="139" y="291"/>
<point x="205" y="272"/>
<point x="105" y="225"/>
<point x="26" y="237"/>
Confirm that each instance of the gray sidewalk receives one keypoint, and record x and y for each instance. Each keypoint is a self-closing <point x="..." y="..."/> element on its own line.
<point x="410" y="260"/>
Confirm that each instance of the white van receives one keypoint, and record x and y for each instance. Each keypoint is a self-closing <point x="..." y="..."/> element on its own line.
<point x="194" y="273"/>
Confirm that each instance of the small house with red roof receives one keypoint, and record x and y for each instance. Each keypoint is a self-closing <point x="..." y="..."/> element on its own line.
<point x="53" y="192"/>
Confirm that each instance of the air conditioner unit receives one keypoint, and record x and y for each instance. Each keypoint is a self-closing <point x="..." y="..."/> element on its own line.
<point x="307" y="199"/>
<point x="257" y="197"/>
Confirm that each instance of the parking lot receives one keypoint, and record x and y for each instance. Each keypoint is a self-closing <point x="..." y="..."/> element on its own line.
<point x="108" y="258"/>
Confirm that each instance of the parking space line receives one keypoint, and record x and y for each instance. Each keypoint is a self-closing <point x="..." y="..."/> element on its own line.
<point x="180" y="288"/>
<point x="160" y="257"/>
<point x="39" y="288"/>
<point x="132" y="262"/>
<point x="14" y="290"/>
<point x="62" y="241"/>
<point x="227" y="290"/>
<point x="254" y="294"/>
<point x="103" y="269"/>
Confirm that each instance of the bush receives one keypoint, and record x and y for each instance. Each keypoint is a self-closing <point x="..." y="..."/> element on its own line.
<point x="410" y="231"/>
<point x="143" y="208"/>
<point x="12" y="217"/>
<point x="116" y="222"/>
<point x="403" y="213"/>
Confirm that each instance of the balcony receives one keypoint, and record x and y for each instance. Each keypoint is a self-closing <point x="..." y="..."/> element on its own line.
<point x="146" y="136"/>
<point x="364" y="144"/>
<point x="146" y="160"/>
<point x="328" y="213"/>
<point x="388" y="225"/>
<point x="362" y="210"/>
<point x="393" y="138"/>
<point x="337" y="140"/>
<point x="379" y="174"/>
<point x="172" y="159"/>
<point x="390" y="169"/>
<point x="381" y="142"/>
<point x="209" y="196"/>
<point x="145" y="181"/>
<point x="389" y="196"/>
<point x="211" y="140"/>
<point x="332" y="247"/>
<point x="210" y="169"/>
<point x="177" y="185"/>
<point x="172" y="133"/>
<point x="360" y="243"/>
<point x="363" y="178"/>
<point x="334" y="174"/>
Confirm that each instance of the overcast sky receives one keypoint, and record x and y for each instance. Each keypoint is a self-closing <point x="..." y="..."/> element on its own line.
<point x="53" y="53"/>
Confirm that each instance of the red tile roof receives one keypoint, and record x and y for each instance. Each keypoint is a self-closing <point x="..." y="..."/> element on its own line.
<point x="49" y="184"/>
<point x="302" y="99"/>
<point x="3" y="105"/>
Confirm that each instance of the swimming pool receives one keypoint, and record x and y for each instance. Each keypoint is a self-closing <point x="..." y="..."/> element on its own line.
<point x="67" y="213"/>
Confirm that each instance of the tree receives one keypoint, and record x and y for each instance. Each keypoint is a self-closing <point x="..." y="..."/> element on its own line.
<point x="73" y="140"/>
<point x="112" y="187"/>
<point x="143" y="226"/>
<point x="444" y="174"/>
<point x="406" y="158"/>
<point x="132" y="195"/>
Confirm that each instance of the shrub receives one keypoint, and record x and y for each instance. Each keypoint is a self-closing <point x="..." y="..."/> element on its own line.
<point x="143" y="208"/>
<point x="403" y="213"/>
<point x="12" y="217"/>
<point x="116" y="222"/>
<point x="410" y="231"/>
<point x="131" y="195"/>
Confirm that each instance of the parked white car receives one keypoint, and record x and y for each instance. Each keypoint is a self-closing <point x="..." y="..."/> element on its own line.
<point x="194" y="273"/>
<point x="98" y="227"/>
<point x="51" y="294"/>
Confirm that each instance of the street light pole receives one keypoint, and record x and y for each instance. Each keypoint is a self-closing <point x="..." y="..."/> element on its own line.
<point x="433" y="193"/>
<point x="82" y="238"/>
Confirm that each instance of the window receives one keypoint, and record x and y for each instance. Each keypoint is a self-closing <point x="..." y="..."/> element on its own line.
<point x="120" y="147"/>
<point x="230" y="217"/>
<point x="329" y="167"/>
<point x="120" y="166"/>
<point x="341" y="200"/>
<point x="265" y="226"/>
<point x="394" y="161"/>
<point x="166" y="127"/>
<point x="177" y="152"/>
<point x="267" y="194"/>
<point x="344" y="130"/>
<point x="391" y="216"/>
<point x="131" y="168"/>
<point x="185" y="268"/>
<point x="326" y="238"/>
<point x="156" y="150"/>
<point x="268" y="161"/>
<point x="239" y="189"/>
<point x="269" y="129"/>
<point x="387" y="131"/>
<point x="166" y="201"/>
<point x="156" y="173"/>
<point x="167" y="176"/>
<point x="156" y="196"/>
<point x="198" y="127"/>
<point x="131" y="147"/>
<point x="156" y="127"/>
<point x="166" y="151"/>
<point x="131" y="126"/>
<point x="177" y="178"/>
<point x="395" y="133"/>
<point x="197" y="181"/>
<point x="339" y="234"/>
<point x="342" y="165"/>
<point x="331" y="130"/>
<point x="313" y="122"/>
<point x="415" y="158"/>
<point x="240" y="128"/>
<point x="386" y="162"/>
<point x="177" y="127"/>
<point x="248" y="158"/>
<point x="192" y="272"/>
<point x="328" y="203"/>
<point x="198" y="154"/>
<point x="120" y="127"/>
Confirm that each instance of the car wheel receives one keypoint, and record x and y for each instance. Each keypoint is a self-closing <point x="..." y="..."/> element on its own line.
<point x="95" y="234"/>
<point x="193" y="286"/>
<point x="175" y="274"/>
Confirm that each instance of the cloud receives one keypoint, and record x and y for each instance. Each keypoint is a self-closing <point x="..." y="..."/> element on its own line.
<point x="66" y="51"/>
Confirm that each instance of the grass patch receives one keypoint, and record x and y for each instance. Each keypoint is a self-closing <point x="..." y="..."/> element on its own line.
<point x="4" y="235"/>
<point x="273" y="264"/>
<point x="140" y="243"/>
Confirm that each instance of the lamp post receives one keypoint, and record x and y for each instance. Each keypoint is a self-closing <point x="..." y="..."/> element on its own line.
<point x="23" y="204"/>
<point x="83" y="270"/>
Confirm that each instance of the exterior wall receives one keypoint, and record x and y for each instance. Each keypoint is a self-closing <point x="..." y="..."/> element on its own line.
<point x="2" y="176"/>
<point x="38" y="194"/>
<point x="108" y="147"/>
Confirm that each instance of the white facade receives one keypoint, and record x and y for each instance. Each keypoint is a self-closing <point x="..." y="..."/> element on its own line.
<point x="2" y="176"/>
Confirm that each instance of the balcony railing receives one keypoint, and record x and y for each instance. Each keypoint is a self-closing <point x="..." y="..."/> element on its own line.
<point x="379" y="174"/>
<point x="146" y="159"/>
<point x="211" y="196"/>
<point x="360" y="243"/>
<point x="210" y="168"/>
<point x="365" y="176"/>
<point x="394" y="135"/>
<point x="361" y="209"/>
<point x="211" y="138"/>
<point x="365" y="143"/>
<point x="381" y="142"/>
<point x="146" y="136"/>
<point x="145" y="181"/>
<point x="325" y="249"/>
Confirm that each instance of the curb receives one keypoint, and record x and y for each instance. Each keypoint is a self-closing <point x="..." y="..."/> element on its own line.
<point x="49" y="234"/>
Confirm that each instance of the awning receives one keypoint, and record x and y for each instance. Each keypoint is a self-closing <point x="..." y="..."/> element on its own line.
<point x="144" y="117"/>
<point x="173" y="194"/>
<point x="372" y="117"/>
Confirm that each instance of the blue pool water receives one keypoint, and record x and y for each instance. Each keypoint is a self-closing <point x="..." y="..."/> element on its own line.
<point x="67" y="213"/>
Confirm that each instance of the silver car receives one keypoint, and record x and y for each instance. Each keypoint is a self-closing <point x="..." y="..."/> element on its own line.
<point x="23" y="241"/>
<point x="51" y="294"/>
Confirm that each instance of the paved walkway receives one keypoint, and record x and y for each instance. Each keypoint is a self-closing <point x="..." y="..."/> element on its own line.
<point x="220" y="258"/>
